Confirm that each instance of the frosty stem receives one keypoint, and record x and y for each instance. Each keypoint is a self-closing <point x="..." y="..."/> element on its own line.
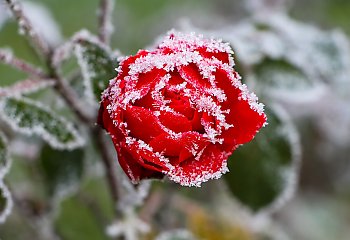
<point x="8" y="58"/>
<point x="104" y="20"/>
<point x="107" y="161"/>
<point x="39" y="44"/>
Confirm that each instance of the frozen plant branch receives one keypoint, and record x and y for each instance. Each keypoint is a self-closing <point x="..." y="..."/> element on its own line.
<point x="107" y="161"/>
<point x="71" y="97"/>
<point x="26" y="86"/>
<point x="7" y="57"/>
<point x="105" y="20"/>
<point x="27" y="28"/>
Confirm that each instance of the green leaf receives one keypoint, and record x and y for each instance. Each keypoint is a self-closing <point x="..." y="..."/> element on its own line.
<point x="4" y="156"/>
<point x="30" y="117"/>
<point x="77" y="220"/>
<point x="280" y="75"/>
<point x="6" y="202"/>
<point x="263" y="172"/>
<point x="96" y="64"/>
<point x="62" y="169"/>
<point x="331" y="55"/>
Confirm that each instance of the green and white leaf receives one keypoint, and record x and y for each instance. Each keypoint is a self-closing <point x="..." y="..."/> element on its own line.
<point x="6" y="202"/>
<point x="279" y="78"/>
<point x="264" y="172"/>
<point x="96" y="63"/>
<point x="30" y="117"/>
<point x="5" y="162"/>
<point x="62" y="169"/>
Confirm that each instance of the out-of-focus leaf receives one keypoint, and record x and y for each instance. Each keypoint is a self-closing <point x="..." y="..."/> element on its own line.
<point x="30" y="117"/>
<point x="62" y="169"/>
<point x="77" y="221"/>
<point x="280" y="75"/>
<point x="6" y="202"/>
<point x="263" y="172"/>
<point x="331" y="55"/>
<point x="4" y="156"/>
<point x="96" y="64"/>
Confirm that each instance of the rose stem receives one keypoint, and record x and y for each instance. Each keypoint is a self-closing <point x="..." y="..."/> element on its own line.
<point x="8" y="58"/>
<point x="104" y="20"/>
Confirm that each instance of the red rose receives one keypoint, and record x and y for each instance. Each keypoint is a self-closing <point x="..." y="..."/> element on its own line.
<point x="180" y="110"/>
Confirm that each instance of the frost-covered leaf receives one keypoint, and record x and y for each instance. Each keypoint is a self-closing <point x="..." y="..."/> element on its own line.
<point x="280" y="78"/>
<point x="6" y="202"/>
<point x="331" y="55"/>
<point x="62" y="169"/>
<point x="96" y="64"/>
<point x="30" y="117"/>
<point x="179" y="234"/>
<point x="4" y="156"/>
<point x="263" y="172"/>
<point x="281" y="75"/>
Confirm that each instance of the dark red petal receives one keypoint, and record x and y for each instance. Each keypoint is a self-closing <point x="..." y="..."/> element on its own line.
<point x="149" y="78"/>
<point x="130" y="60"/>
<point x="196" y="122"/>
<point x="191" y="74"/>
<point x="193" y="172"/>
<point x="222" y="56"/>
<point x="246" y="121"/>
<point x="182" y="147"/>
<point x="146" y="158"/>
<point x="133" y="169"/>
<point x="175" y="122"/>
<point x="142" y="123"/>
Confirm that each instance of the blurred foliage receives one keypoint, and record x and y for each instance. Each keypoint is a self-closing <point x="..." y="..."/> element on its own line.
<point x="206" y="226"/>
<point x="260" y="170"/>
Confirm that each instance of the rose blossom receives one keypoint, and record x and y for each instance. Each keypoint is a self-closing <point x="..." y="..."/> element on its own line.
<point x="179" y="110"/>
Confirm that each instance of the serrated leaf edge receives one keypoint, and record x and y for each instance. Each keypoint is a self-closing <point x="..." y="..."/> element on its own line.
<point x="39" y="130"/>
<point x="8" y="162"/>
<point x="9" y="202"/>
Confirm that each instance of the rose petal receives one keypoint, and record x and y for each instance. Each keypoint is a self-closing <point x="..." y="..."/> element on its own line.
<point x="222" y="56"/>
<point x="133" y="169"/>
<point x="184" y="146"/>
<point x="191" y="74"/>
<point x="175" y="122"/>
<point x="210" y="165"/>
<point x="146" y="158"/>
<point x="246" y="121"/>
<point x="142" y="123"/>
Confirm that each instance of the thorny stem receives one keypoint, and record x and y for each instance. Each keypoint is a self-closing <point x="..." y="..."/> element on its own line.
<point x="104" y="21"/>
<point x="23" y="22"/>
<point x="7" y="58"/>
